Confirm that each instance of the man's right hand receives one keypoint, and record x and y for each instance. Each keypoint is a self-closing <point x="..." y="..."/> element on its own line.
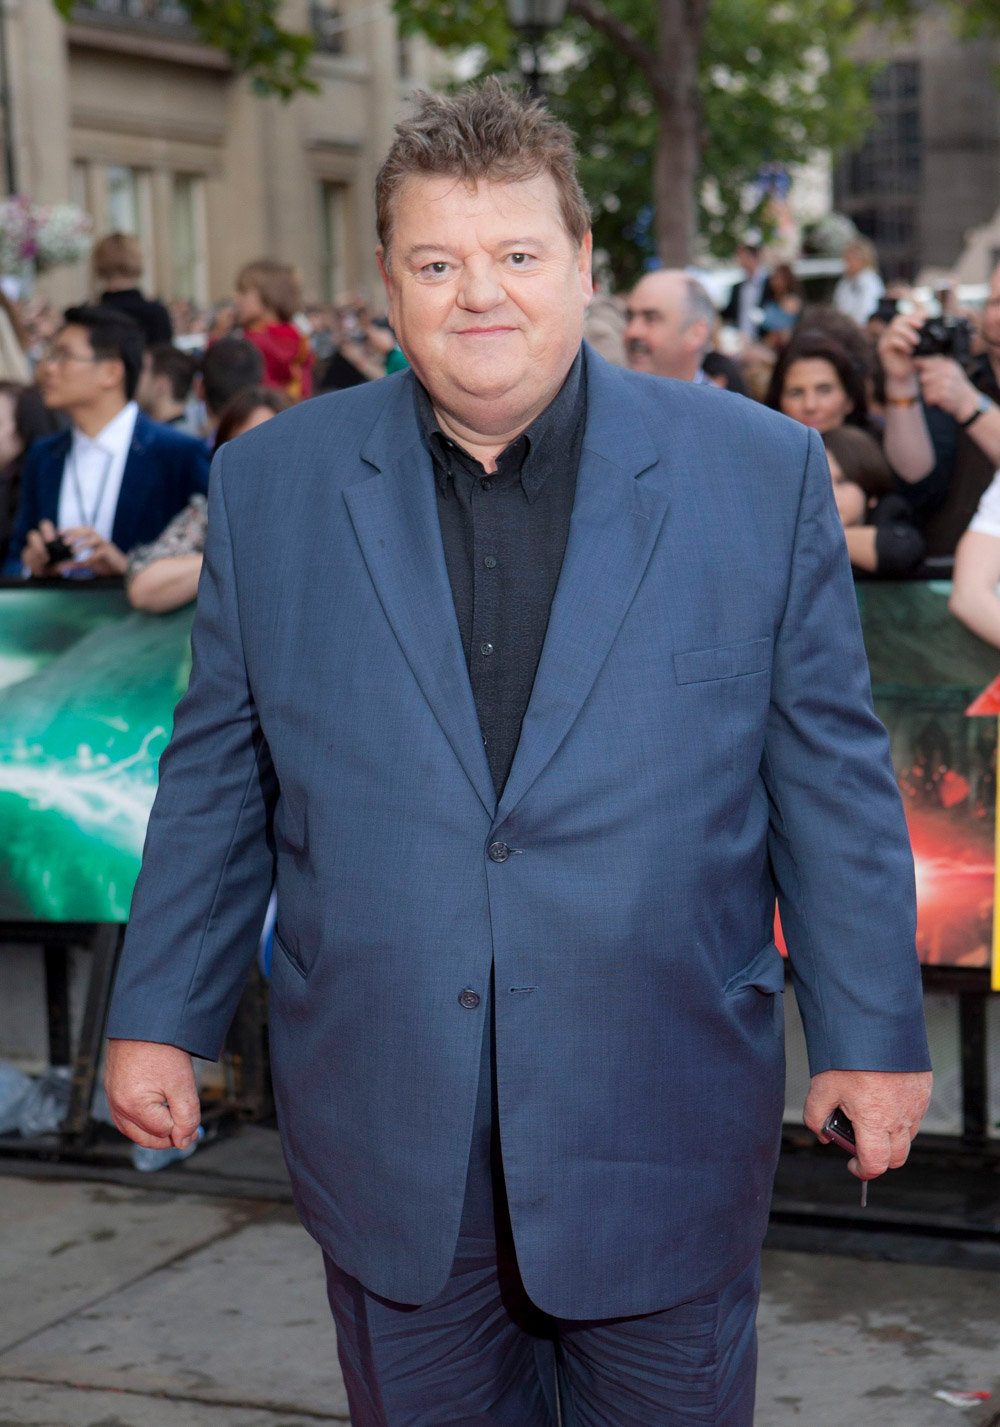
<point x="35" y="555"/>
<point x="151" y="1093"/>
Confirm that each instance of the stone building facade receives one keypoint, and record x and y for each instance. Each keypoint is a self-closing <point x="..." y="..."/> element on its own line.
<point x="125" y="112"/>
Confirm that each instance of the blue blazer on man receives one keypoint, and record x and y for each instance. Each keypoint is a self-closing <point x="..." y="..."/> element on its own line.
<point x="164" y="469"/>
<point x="700" y="735"/>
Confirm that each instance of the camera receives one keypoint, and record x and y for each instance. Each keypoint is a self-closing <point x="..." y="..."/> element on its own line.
<point x="58" y="551"/>
<point x="946" y="337"/>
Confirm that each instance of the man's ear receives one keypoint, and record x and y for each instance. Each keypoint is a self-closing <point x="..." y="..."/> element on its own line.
<point x="112" y="372"/>
<point x="585" y="265"/>
<point x="382" y="258"/>
<point x="696" y="336"/>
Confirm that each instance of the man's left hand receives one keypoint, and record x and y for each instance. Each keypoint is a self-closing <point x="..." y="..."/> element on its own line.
<point x="885" y="1107"/>
<point x="944" y="384"/>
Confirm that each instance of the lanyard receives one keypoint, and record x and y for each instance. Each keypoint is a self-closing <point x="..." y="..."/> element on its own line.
<point x="91" y="519"/>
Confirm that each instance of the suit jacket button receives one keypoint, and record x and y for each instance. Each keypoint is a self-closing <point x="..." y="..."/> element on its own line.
<point x="469" y="999"/>
<point x="499" y="852"/>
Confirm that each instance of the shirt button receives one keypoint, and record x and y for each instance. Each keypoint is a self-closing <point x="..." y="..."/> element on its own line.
<point x="490" y="562"/>
<point x="486" y="648"/>
<point x="499" y="852"/>
<point x="485" y="484"/>
<point x="469" y="1000"/>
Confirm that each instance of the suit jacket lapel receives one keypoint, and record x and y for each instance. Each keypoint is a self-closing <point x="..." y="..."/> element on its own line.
<point x="135" y="489"/>
<point x="614" y="526"/>
<point x="50" y="478"/>
<point x="395" y="519"/>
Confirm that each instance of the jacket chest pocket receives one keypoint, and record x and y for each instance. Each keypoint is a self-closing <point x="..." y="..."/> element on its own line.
<point x="724" y="661"/>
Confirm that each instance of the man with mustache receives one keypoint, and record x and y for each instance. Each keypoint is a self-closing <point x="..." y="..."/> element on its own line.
<point x="671" y="322"/>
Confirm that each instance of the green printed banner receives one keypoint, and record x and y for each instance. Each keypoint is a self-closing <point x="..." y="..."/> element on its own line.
<point x="87" y="692"/>
<point x="88" y="687"/>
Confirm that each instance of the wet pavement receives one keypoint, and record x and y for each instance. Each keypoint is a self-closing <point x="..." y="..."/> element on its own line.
<point x="139" y="1307"/>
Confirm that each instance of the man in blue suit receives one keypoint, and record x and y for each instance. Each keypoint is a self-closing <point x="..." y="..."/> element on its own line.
<point x="532" y="681"/>
<point x="115" y="479"/>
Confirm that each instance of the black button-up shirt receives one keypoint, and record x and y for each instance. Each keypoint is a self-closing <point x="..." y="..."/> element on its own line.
<point x="504" y="534"/>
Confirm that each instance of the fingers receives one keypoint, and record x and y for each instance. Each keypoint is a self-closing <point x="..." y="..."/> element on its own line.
<point x="34" y="554"/>
<point x="46" y="529"/>
<point x="151" y="1093"/>
<point x="822" y="1099"/>
<point x="885" y="1109"/>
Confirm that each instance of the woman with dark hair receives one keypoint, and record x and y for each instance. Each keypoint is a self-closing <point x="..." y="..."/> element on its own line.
<point x="817" y="381"/>
<point x="878" y="526"/>
<point x="164" y="575"/>
<point x="247" y="409"/>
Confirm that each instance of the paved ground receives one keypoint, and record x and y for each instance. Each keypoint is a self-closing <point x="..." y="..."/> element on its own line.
<point x="125" y="1307"/>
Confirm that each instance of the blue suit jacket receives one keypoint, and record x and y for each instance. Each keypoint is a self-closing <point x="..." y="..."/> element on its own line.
<point x="700" y="733"/>
<point x="163" y="471"/>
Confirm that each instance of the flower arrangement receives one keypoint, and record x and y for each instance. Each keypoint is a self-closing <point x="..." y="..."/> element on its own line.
<point x="63" y="235"/>
<point x="41" y="236"/>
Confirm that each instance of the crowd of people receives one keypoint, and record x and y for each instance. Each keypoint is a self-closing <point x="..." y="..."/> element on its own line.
<point x="109" y="412"/>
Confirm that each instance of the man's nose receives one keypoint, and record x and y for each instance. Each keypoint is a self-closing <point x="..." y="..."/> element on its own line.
<point x="480" y="288"/>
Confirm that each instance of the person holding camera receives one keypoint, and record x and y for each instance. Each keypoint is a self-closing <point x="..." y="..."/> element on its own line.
<point x="116" y="478"/>
<point x="942" y="418"/>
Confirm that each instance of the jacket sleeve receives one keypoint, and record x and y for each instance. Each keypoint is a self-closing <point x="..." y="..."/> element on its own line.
<point x="208" y="863"/>
<point x="839" y="846"/>
<point x="27" y="517"/>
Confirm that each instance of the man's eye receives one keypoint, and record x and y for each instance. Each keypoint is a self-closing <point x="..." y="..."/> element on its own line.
<point x="520" y="259"/>
<point x="435" y="269"/>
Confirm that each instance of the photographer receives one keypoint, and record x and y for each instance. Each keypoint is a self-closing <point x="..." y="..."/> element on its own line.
<point x="942" y="421"/>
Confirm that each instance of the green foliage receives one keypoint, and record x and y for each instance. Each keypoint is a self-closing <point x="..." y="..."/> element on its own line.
<point x="775" y="84"/>
<point x="250" y="32"/>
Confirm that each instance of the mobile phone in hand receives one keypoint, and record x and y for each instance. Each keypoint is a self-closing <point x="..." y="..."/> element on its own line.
<point x="837" y="1127"/>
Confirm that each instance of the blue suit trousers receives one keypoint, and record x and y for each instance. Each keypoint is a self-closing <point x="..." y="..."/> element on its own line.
<point x="482" y="1355"/>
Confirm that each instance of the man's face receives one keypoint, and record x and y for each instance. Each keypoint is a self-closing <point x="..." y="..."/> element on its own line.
<point x="487" y="293"/>
<point x="71" y="377"/>
<point x="991" y="314"/>
<point x="656" y="339"/>
<point x="748" y="260"/>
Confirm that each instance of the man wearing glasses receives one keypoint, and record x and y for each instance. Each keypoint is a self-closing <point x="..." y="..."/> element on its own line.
<point x="115" y="479"/>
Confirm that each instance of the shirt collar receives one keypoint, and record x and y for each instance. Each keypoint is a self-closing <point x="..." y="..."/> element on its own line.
<point x="534" y="454"/>
<point x="113" y="439"/>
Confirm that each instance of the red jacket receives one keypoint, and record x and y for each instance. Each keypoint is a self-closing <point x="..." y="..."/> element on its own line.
<point x="288" y="359"/>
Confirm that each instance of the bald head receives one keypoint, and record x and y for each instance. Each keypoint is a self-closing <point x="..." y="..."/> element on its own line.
<point x="671" y="320"/>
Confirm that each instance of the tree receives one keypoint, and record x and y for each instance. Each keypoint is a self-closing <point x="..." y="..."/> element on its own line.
<point x="679" y="103"/>
<point x="251" y="33"/>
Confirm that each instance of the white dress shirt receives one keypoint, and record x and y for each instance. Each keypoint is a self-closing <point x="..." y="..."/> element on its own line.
<point x="858" y="296"/>
<point x="92" y="475"/>
<point x="750" y="294"/>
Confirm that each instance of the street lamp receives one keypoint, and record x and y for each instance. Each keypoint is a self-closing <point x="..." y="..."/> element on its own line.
<point x="532" y="19"/>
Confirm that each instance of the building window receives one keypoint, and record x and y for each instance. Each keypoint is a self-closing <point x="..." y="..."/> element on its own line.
<point x="128" y="208"/>
<point x="333" y="240"/>
<point x="879" y="184"/>
<point x="150" y="14"/>
<point x="327" y="27"/>
<point x="189" y="239"/>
